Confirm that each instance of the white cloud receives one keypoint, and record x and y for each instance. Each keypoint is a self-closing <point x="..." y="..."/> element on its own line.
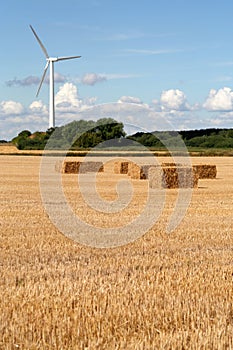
<point x="174" y="99"/>
<point x="38" y="107"/>
<point x="219" y="100"/>
<point x="67" y="97"/>
<point x="171" y="111"/>
<point x="11" y="107"/>
<point x="130" y="99"/>
<point x="69" y="104"/>
<point x="111" y="76"/>
<point x="93" y="78"/>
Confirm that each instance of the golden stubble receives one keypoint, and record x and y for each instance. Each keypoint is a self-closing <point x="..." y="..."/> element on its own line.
<point x="163" y="291"/>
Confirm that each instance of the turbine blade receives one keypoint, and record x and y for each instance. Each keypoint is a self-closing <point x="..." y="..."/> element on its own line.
<point x="67" y="58"/>
<point x="42" y="79"/>
<point x="39" y="41"/>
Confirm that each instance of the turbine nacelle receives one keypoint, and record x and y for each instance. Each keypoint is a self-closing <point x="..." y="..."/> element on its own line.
<point x="52" y="59"/>
<point x="50" y="62"/>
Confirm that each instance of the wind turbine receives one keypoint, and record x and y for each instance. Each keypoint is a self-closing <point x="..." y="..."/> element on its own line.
<point x="50" y="64"/>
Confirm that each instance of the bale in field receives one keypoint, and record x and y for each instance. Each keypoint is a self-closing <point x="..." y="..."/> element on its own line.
<point x="135" y="171"/>
<point x="121" y="167"/>
<point x="75" y="167"/>
<point x="172" y="177"/>
<point x="146" y="168"/>
<point x="91" y="167"/>
<point x="70" y="167"/>
<point x="206" y="171"/>
<point x="156" y="178"/>
<point x="139" y="172"/>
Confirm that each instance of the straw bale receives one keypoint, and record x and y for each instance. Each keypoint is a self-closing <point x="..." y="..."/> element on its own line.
<point x="156" y="178"/>
<point x="187" y="177"/>
<point x="146" y="168"/>
<point x="206" y="171"/>
<point x="70" y="167"/>
<point x="130" y="166"/>
<point x="75" y="167"/>
<point x="121" y="167"/>
<point x="135" y="171"/>
<point x="172" y="177"/>
<point x="139" y="172"/>
<point x="91" y="167"/>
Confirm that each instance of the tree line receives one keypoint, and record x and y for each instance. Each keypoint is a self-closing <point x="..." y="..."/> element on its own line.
<point x="75" y="135"/>
<point x="84" y="134"/>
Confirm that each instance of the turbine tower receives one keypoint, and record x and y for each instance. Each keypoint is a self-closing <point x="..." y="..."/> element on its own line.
<point x="50" y="64"/>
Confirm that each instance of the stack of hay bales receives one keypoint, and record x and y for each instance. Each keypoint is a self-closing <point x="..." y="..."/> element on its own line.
<point x="156" y="178"/>
<point x="205" y="171"/>
<point x="172" y="177"/>
<point x="145" y="170"/>
<point x="76" y="167"/>
<point x="121" y="167"/>
<point x="139" y="172"/>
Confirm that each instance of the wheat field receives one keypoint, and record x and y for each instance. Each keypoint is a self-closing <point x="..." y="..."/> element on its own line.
<point x="162" y="291"/>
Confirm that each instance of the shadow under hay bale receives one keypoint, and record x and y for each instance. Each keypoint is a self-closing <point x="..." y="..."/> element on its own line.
<point x="75" y="167"/>
<point x="206" y="171"/>
<point x="172" y="177"/>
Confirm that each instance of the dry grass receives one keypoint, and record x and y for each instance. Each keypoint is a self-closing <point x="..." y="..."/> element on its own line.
<point x="161" y="292"/>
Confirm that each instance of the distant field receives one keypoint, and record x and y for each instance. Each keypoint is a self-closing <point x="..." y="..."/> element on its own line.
<point x="10" y="149"/>
<point x="160" y="292"/>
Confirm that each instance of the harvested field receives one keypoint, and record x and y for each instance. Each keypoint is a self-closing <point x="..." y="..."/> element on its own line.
<point x="163" y="291"/>
<point x="8" y="148"/>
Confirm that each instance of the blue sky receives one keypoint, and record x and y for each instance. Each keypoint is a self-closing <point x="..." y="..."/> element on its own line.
<point x="172" y="57"/>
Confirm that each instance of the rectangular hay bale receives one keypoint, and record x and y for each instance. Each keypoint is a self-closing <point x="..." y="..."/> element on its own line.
<point x="139" y="172"/>
<point x="76" y="167"/>
<point x="121" y="167"/>
<point x="206" y="171"/>
<point x="172" y="177"/>
<point x="70" y="167"/>
<point x="91" y="167"/>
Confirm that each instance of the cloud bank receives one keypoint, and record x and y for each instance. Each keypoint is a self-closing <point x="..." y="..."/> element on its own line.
<point x="171" y="106"/>
<point x="219" y="100"/>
